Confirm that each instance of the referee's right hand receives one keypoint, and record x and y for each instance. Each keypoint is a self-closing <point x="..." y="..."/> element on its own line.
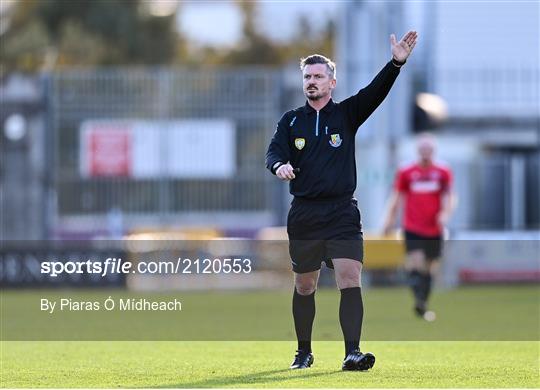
<point x="285" y="172"/>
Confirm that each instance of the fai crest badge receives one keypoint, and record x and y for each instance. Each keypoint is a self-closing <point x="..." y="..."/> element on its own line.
<point x="299" y="143"/>
<point x="335" y="140"/>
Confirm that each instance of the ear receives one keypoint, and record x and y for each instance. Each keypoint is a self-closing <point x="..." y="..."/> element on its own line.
<point x="333" y="83"/>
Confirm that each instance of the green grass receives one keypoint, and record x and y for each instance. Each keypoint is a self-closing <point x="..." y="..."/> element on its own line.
<point x="483" y="338"/>
<point x="497" y="313"/>
<point x="264" y="364"/>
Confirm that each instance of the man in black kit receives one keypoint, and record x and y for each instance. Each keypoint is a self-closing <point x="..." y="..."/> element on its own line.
<point x="313" y="148"/>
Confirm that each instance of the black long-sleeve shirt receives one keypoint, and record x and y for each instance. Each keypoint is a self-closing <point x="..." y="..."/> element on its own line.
<point x="321" y="143"/>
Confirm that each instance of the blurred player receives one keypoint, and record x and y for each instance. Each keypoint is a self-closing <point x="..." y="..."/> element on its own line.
<point x="324" y="222"/>
<point x="424" y="189"/>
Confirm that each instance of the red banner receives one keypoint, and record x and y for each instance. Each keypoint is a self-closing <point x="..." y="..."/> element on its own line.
<point x="109" y="150"/>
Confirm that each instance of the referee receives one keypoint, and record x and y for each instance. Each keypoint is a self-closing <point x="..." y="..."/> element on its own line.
<point x="313" y="148"/>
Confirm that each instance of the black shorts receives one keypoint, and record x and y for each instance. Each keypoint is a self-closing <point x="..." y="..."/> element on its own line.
<point x="322" y="230"/>
<point x="431" y="246"/>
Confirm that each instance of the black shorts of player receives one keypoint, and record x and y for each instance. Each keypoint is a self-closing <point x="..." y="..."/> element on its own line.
<point x="322" y="230"/>
<point x="431" y="246"/>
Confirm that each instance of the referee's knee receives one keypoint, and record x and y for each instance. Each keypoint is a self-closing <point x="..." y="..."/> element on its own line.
<point x="305" y="288"/>
<point x="347" y="280"/>
<point x="348" y="283"/>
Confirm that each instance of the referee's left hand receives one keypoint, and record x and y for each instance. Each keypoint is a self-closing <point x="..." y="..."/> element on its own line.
<point x="402" y="50"/>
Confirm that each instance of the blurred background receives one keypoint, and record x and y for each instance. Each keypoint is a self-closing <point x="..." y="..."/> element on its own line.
<point x="121" y="118"/>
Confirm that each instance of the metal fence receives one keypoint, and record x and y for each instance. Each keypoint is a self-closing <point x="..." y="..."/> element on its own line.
<point x="507" y="191"/>
<point x="249" y="98"/>
<point x="502" y="92"/>
<point x="42" y="190"/>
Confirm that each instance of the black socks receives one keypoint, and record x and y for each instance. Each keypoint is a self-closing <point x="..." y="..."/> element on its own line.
<point x="426" y="286"/>
<point x="351" y="314"/>
<point x="303" y="308"/>
<point x="421" y="285"/>
<point x="415" y="282"/>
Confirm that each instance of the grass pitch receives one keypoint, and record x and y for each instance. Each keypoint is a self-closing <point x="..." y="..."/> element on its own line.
<point x="195" y="364"/>
<point x="484" y="338"/>
<point x="496" y="313"/>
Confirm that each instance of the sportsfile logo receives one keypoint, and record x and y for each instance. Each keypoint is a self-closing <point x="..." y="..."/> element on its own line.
<point x="113" y="265"/>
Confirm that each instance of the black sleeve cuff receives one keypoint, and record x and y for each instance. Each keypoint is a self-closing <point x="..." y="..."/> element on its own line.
<point x="396" y="63"/>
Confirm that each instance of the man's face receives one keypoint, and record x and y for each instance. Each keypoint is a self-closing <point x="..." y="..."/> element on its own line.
<point x="426" y="148"/>
<point x="317" y="81"/>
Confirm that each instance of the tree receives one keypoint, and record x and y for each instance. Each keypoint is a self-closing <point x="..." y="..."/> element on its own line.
<point x="306" y="41"/>
<point x="87" y="32"/>
<point x="255" y="48"/>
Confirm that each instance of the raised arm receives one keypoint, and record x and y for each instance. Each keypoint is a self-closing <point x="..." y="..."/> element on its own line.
<point x="402" y="50"/>
<point x="362" y="105"/>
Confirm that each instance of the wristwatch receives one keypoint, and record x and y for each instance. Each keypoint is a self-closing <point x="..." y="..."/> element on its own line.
<point x="397" y="63"/>
<point x="276" y="166"/>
